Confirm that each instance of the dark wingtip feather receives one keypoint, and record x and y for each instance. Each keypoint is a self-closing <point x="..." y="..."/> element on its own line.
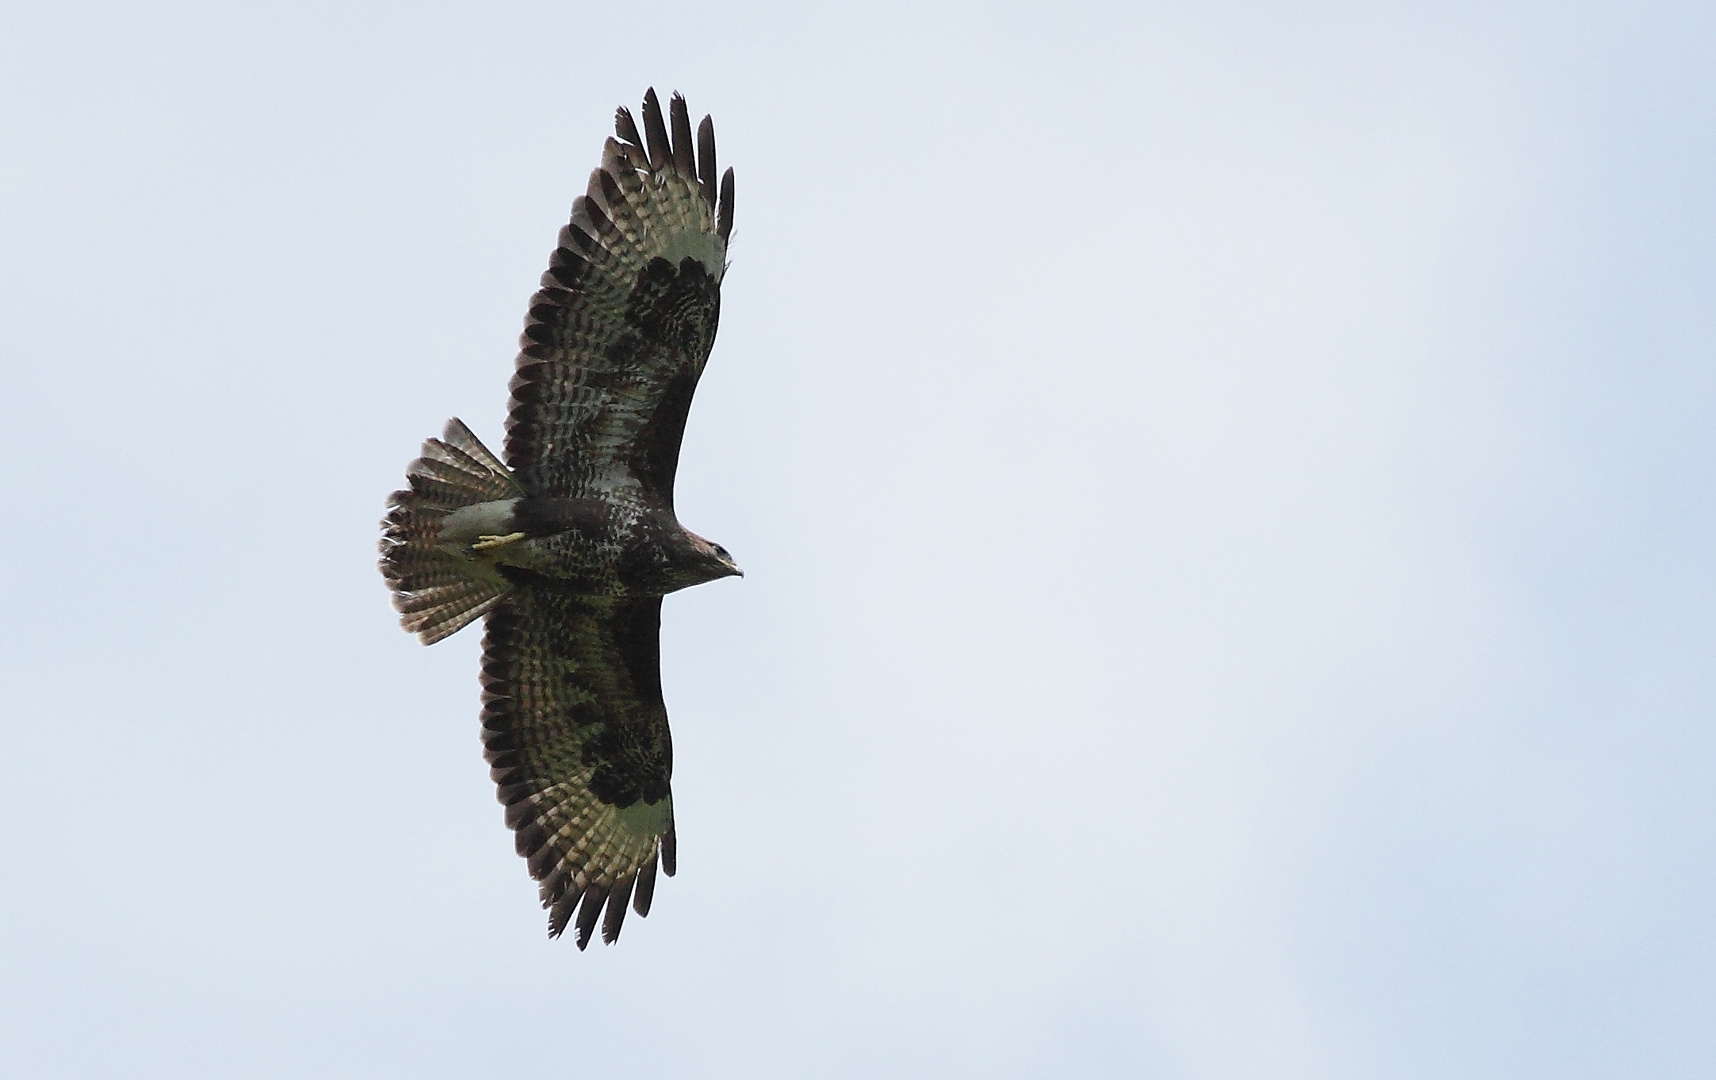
<point x="645" y="888"/>
<point x="669" y="852"/>
<point x="618" y="897"/>
<point x="684" y="158"/>
<point x="724" y="219"/>
<point x="561" y="913"/>
<point x="589" y="911"/>
<point x="655" y="131"/>
<point x="627" y="128"/>
<point x="706" y="160"/>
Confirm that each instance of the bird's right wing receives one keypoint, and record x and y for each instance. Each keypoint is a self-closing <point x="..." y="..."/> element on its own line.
<point x="618" y="334"/>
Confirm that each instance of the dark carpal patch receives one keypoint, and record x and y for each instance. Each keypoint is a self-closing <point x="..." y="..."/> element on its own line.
<point x="678" y="306"/>
<point x="655" y="456"/>
<point x="634" y="761"/>
<point x="681" y="306"/>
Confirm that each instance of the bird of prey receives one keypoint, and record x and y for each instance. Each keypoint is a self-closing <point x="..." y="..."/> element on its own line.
<point x="568" y="545"/>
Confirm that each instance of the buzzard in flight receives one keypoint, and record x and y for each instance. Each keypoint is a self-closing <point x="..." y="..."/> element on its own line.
<point x="569" y="544"/>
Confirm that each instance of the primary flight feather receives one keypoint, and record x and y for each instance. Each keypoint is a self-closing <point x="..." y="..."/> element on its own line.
<point x="569" y="544"/>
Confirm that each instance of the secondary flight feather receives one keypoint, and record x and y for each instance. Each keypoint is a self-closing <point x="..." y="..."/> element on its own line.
<point x="568" y="545"/>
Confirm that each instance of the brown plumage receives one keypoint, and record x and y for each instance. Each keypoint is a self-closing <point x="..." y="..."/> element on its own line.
<point x="569" y="544"/>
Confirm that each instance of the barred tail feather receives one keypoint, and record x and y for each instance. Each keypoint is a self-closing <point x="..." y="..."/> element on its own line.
<point x="441" y="607"/>
<point x="437" y="590"/>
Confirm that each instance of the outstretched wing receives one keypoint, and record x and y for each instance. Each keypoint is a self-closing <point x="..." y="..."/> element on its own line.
<point x="620" y="330"/>
<point x="576" y="737"/>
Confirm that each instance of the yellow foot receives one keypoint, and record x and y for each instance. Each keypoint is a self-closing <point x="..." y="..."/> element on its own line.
<point x="487" y="543"/>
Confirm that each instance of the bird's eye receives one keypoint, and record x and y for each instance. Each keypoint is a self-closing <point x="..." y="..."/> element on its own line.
<point x="721" y="551"/>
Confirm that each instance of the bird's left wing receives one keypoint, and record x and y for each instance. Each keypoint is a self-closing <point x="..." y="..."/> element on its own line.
<point x="576" y="737"/>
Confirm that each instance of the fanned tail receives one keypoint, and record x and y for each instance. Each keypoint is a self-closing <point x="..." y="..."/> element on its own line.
<point x="436" y="588"/>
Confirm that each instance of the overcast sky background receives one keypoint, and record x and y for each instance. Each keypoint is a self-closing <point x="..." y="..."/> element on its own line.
<point x="1228" y="495"/>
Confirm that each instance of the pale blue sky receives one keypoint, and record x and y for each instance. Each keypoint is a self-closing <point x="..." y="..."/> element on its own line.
<point x="1226" y="493"/>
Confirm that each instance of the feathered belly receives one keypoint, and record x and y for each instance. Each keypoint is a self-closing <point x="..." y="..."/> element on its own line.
<point x="583" y="547"/>
<point x="573" y="561"/>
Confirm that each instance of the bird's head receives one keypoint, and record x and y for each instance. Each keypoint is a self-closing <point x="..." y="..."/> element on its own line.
<point x="716" y="561"/>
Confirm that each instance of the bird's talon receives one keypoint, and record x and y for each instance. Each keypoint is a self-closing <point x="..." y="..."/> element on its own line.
<point x="486" y="543"/>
